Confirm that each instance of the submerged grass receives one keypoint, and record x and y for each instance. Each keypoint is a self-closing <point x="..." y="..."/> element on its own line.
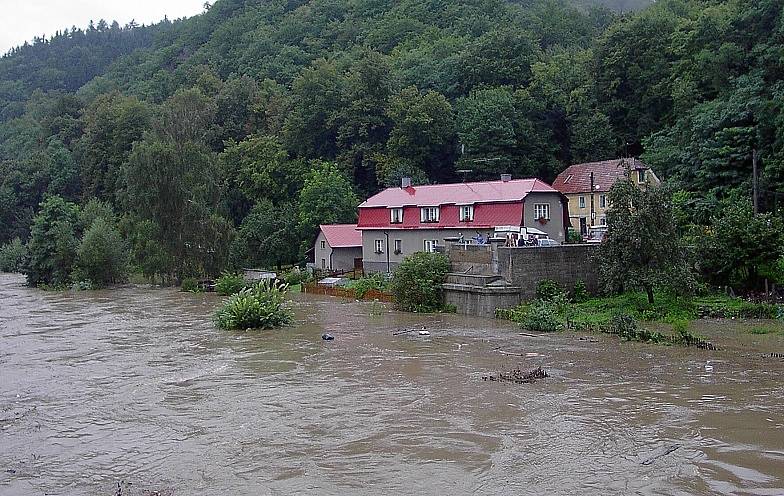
<point x="621" y="315"/>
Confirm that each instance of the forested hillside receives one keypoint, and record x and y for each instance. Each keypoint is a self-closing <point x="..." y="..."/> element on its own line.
<point x="228" y="137"/>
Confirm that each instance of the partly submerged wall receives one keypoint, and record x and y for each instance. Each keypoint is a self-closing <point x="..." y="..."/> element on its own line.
<point x="565" y="264"/>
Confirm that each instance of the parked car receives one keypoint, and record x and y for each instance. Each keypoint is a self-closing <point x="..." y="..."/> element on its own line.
<point x="548" y="242"/>
<point x="596" y="234"/>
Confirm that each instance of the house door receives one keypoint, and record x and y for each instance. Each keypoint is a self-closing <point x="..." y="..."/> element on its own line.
<point x="583" y="226"/>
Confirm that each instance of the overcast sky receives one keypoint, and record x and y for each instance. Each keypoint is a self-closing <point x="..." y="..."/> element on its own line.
<point x="21" y="20"/>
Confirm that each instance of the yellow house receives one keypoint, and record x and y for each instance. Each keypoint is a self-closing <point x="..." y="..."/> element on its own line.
<point x="586" y="187"/>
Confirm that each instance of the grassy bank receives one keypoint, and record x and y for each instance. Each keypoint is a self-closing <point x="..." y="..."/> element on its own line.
<point x="630" y="315"/>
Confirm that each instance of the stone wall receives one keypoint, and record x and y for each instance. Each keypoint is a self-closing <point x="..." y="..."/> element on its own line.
<point x="566" y="264"/>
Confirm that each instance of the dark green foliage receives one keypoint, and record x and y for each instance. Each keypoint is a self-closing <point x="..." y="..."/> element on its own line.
<point x="267" y="238"/>
<point x="229" y="283"/>
<point x="417" y="282"/>
<point x="580" y="292"/>
<point x="739" y="244"/>
<point x="12" y="256"/>
<point x="190" y="285"/>
<point x="547" y="290"/>
<point x="542" y="316"/>
<point x="53" y="243"/>
<point x="326" y="198"/>
<point x="295" y="276"/>
<point x="642" y="248"/>
<point x="377" y="282"/>
<point x="102" y="256"/>
<point x="259" y="307"/>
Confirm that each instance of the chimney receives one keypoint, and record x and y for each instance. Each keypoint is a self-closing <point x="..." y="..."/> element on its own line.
<point x="405" y="182"/>
<point x="506" y="177"/>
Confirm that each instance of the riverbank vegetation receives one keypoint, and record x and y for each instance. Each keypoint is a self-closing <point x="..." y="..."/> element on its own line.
<point x="261" y="306"/>
<point x="225" y="139"/>
<point x="416" y="283"/>
<point x="632" y="316"/>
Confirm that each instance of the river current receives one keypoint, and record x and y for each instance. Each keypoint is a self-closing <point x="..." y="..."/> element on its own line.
<point x="133" y="391"/>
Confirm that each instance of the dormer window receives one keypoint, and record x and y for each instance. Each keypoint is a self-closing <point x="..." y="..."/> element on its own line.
<point x="466" y="213"/>
<point x="641" y="176"/>
<point x="429" y="214"/>
<point x="396" y="215"/>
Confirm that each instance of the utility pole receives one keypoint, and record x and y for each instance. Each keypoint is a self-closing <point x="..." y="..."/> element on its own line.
<point x="593" y="212"/>
<point x="754" y="180"/>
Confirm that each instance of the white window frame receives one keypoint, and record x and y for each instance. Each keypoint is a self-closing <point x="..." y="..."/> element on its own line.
<point x="430" y="245"/>
<point x="641" y="176"/>
<point x="430" y="215"/>
<point x="466" y="213"/>
<point x="581" y="202"/>
<point x="602" y="201"/>
<point x="541" y="208"/>
<point x="323" y="245"/>
<point x="396" y="215"/>
<point x="398" y="246"/>
<point x="379" y="246"/>
<point x="602" y="220"/>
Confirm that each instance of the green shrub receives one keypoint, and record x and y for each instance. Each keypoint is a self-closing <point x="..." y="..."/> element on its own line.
<point x="258" y="307"/>
<point x="547" y="289"/>
<point x="295" y="276"/>
<point x="12" y="256"/>
<point x="229" y="284"/>
<point x="625" y="326"/>
<point x="725" y="307"/>
<point x="580" y="292"/>
<point x="542" y="316"/>
<point x="191" y="285"/>
<point x="417" y="282"/>
<point x="377" y="282"/>
<point x="51" y="251"/>
<point x="102" y="257"/>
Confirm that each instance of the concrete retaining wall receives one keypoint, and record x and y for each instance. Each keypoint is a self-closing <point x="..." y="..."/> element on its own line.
<point x="566" y="264"/>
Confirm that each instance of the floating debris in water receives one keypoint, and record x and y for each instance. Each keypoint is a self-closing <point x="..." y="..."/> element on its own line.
<point x="664" y="453"/>
<point x="424" y="333"/>
<point x="518" y="376"/>
<point x="327" y="337"/>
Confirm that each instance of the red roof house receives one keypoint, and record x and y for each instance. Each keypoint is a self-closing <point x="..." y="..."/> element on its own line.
<point x="402" y="220"/>
<point x="338" y="247"/>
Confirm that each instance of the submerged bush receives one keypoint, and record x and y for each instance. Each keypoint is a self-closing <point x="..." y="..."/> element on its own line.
<point x="542" y="316"/>
<point x="190" y="285"/>
<point x="102" y="257"/>
<point x="258" y="307"/>
<point x="362" y="286"/>
<point x="229" y="284"/>
<point x="12" y="256"/>
<point x="417" y="282"/>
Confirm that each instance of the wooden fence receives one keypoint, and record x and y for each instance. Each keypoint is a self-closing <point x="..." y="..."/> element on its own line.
<point x="369" y="295"/>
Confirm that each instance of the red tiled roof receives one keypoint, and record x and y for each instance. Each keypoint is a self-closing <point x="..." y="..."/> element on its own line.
<point x="342" y="235"/>
<point x="577" y="178"/>
<point x="458" y="193"/>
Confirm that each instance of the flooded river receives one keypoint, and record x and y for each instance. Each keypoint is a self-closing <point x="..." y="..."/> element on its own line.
<point x="134" y="391"/>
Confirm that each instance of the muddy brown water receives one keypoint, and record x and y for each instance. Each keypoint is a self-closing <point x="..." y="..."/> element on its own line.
<point x="136" y="387"/>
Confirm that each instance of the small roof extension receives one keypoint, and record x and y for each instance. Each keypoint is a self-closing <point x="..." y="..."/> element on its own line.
<point x="342" y="235"/>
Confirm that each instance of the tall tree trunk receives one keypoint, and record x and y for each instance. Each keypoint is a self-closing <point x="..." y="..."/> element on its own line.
<point x="649" y="292"/>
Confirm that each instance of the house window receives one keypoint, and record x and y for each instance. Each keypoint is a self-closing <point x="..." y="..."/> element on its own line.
<point x="396" y="215"/>
<point x="641" y="176"/>
<point x="398" y="247"/>
<point x="602" y="201"/>
<point x="323" y="245"/>
<point x="323" y="263"/>
<point x="379" y="246"/>
<point x="431" y="245"/>
<point x="542" y="211"/>
<point x="466" y="213"/>
<point x="602" y="221"/>
<point x="429" y="214"/>
<point x="581" y="201"/>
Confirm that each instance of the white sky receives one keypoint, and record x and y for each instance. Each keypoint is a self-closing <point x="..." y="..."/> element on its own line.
<point x="21" y="20"/>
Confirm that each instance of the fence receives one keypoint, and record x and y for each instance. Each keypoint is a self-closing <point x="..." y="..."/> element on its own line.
<point x="350" y="293"/>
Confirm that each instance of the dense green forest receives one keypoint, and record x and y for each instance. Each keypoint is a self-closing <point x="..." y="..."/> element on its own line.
<point x="225" y="139"/>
